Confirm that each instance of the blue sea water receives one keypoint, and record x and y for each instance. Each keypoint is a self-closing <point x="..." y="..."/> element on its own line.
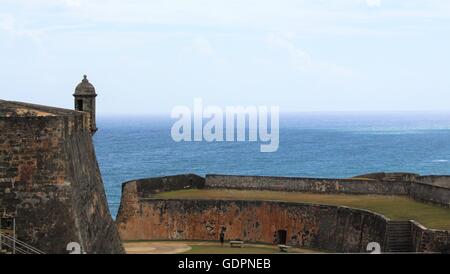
<point x="311" y="145"/>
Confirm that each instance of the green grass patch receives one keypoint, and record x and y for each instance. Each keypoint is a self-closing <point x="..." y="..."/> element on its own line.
<point x="217" y="249"/>
<point x="393" y="207"/>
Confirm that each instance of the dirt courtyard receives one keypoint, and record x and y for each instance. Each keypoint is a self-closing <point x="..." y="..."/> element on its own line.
<point x="178" y="247"/>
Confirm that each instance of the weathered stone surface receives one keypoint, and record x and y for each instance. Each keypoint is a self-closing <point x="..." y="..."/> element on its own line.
<point x="134" y="191"/>
<point x="316" y="185"/>
<point x="441" y="181"/>
<point x="147" y="187"/>
<point x="313" y="226"/>
<point x="430" y="240"/>
<point x="85" y="101"/>
<point x="422" y="188"/>
<point x="430" y="193"/>
<point x="331" y="228"/>
<point x="50" y="180"/>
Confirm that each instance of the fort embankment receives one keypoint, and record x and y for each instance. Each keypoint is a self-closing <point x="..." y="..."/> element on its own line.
<point x="333" y="228"/>
<point x="50" y="182"/>
<point x="432" y="189"/>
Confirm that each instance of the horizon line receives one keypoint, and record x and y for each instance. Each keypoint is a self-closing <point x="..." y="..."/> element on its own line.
<point x="163" y="113"/>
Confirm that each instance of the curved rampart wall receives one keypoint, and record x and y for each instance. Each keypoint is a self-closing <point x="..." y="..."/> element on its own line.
<point x="435" y="180"/>
<point x="339" y="229"/>
<point x="429" y="240"/>
<point x="135" y="191"/>
<point x="426" y="188"/>
<point x="311" y="226"/>
<point x="316" y="185"/>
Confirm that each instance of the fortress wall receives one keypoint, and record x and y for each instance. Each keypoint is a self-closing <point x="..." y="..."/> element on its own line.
<point x="430" y="194"/>
<point x="133" y="191"/>
<point x="439" y="181"/>
<point x="147" y="187"/>
<point x="95" y="224"/>
<point x="32" y="185"/>
<point x="339" y="229"/>
<point x="51" y="183"/>
<point x="331" y="186"/>
<point x="311" y="226"/>
<point x="430" y="240"/>
<point x="425" y="189"/>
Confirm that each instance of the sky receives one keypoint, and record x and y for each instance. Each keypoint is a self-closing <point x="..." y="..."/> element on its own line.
<point x="148" y="56"/>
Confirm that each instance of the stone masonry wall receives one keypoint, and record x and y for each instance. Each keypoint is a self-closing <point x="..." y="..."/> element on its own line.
<point x="134" y="191"/>
<point x="430" y="240"/>
<point x="430" y="193"/>
<point x="349" y="186"/>
<point x="147" y="187"/>
<point x="51" y="183"/>
<point x="331" y="228"/>
<point x="311" y="226"/>
<point x="422" y="189"/>
<point x="442" y="181"/>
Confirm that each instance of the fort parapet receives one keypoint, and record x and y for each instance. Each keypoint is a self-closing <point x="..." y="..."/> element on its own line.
<point x="326" y="227"/>
<point x="430" y="189"/>
<point x="50" y="181"/>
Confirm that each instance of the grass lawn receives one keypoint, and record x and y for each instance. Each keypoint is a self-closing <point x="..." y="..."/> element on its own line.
<point x="393" y="207"/>
<point x="217" y="249"/>
<point x="249" y="248"/>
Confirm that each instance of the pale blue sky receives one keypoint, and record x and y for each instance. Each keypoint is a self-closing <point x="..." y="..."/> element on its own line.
<point x="148" y="56"/>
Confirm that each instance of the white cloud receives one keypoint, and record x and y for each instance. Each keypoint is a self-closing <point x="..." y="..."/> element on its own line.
<point x="9" y="25"/>
<point x="202" y="46"/>
<point x="284" y="41"/>
<point x="303" y="60"/>
<point x="301" y="16"/>
<point x="6" y="22"/>
<point x="73" y="3"/>
<point x="373" y="3"/>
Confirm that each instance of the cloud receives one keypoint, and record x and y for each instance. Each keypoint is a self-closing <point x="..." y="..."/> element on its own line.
<point x="284" y="41"/>
<point x="202" y="46"/>
<point x="6" y="22"/>
<point x="9" y="25"/>
<point x="336" y="17"/>
<point x="373" y="3"/>
<point x="303" y="60"/>
<point x="73" y="3"/>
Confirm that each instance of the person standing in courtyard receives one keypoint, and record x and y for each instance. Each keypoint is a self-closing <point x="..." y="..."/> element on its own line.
<point x="222" y="236"/>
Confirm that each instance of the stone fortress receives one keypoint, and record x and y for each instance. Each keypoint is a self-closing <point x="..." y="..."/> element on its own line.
<point x="52" y="194"/>
<point x="51" y="190"/>
<point x="315" y="226"/>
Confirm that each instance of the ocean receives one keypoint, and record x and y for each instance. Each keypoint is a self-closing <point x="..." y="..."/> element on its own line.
<point x="335" y="145"/>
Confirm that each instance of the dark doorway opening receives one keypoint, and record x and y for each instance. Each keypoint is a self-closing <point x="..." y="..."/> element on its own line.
<point x="79" y="105"/>
<point x="281" y="237"/>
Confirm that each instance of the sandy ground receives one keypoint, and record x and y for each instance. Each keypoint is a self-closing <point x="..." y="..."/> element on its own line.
<point x="178" y="247"/>
<point x="156" y="247"/>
